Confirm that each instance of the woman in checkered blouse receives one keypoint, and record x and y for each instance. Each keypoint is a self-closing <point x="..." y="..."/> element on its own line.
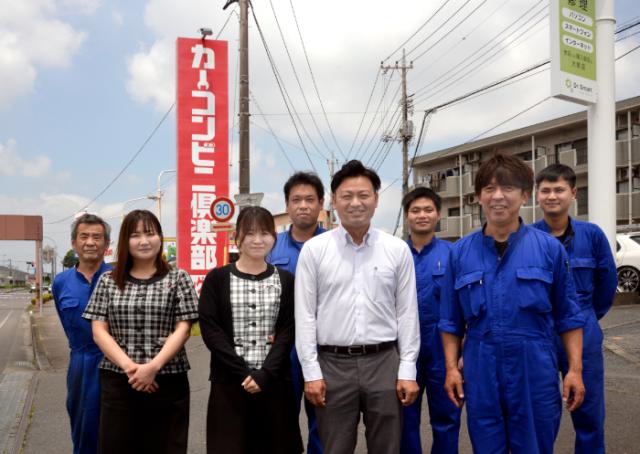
<point x="246" y="319"/>
<point x="141" y="315"/>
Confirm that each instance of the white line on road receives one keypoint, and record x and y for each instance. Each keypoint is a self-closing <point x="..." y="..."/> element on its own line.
<point x="5" y="320"/>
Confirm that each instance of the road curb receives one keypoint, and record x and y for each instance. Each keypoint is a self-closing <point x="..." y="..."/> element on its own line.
<point x="25" y="417"/>
<point x="39" y="350"/>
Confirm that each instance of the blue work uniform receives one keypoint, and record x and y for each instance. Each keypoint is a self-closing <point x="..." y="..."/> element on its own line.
<point x="595" y="278"/>
<point x="285" y="255"/>
<point x="71" y="292"/>
<point x="511" y="308"/>
<point x="431" y="264"/>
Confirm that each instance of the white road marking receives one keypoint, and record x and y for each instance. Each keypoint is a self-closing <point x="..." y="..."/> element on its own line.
<point x="5" y="320"/>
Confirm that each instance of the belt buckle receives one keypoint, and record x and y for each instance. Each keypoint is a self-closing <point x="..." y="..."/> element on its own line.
<point x="356" y="350"/>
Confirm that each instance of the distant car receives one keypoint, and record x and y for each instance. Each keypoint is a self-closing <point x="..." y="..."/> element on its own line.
<point x="628" y="261"/>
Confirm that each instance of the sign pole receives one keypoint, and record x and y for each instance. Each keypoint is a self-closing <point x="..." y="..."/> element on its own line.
<point x="601" y="116"/>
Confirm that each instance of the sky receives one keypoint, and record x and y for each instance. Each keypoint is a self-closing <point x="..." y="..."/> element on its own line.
<point x="85" y="82"/>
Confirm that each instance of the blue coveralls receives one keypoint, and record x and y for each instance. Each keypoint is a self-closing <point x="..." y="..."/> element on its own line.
<point x="71" y="292"/>
<point x="595" y="277"/>
<point x="431" y="264"/>
<point x="285" y="255"/>
<point x="511" y="309"/>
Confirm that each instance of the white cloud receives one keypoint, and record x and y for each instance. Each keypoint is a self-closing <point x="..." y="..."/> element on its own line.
<point x="152" y="77"/>
<point x="32" y="38"/>
<point x="117" y="17"/>
<point x="79" y="6"/>
<point x="12" y="163"/>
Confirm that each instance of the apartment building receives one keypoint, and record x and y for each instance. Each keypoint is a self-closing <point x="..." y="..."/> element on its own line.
<point x="451" y="172"/>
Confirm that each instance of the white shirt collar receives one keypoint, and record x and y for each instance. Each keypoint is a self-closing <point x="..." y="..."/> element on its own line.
<point x="348" y="240"/>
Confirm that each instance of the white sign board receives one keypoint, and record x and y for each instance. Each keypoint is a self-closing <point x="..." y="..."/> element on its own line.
<point x="573" y="50"/>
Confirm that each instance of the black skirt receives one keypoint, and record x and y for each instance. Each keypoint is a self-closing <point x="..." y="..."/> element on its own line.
<point x="243" y="423"/>
<point x="137" y="422"/>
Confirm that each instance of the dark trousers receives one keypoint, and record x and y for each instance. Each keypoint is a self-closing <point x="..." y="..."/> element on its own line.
<point x="360" y="384"/>
<point x="261" y="423"/>
<point x="137" y="422"/>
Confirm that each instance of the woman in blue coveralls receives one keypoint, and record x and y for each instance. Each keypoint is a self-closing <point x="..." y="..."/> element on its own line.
<point x="510" y="294"/>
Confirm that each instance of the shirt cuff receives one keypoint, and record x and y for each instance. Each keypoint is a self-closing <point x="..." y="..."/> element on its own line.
<point x="569" y="323"/>
<point x="447" y="326"/>
<point x="407" y="370"/>
<point x="312" y="371"/>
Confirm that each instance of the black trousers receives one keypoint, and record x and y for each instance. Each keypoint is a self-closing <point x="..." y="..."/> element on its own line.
<point x="261" y="423"/>
<point x="139" y="423"/>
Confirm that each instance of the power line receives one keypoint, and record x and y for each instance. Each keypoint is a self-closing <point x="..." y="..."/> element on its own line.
<point x="623" y="28"/>
<point x="464" y="19"/>
<point x="424" y="24"/>
<point x="280" y="86"/>
<point x="295" y="74"/>
<point x="366" y="109"/>
<point x="119" y="174"/>
<point x="489" y="44"/>
<point x="449" y="50"/>
<point x="225" y="22"/>
<point x="472" y="69"/>
<point x="313" y="79"/>
<point x="628" y="52"/>
<point x="255" y="101"/>
<point x="439" y="27"/>
<point x="366" y="134"/>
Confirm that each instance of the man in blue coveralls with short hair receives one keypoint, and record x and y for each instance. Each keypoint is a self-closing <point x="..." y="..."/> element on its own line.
<point x="430" y="257"/>
<point x="595" y="277"/>
<point x="71" y="291"/>
<point x="304" y="197"/>
<point x="509" y="294"/>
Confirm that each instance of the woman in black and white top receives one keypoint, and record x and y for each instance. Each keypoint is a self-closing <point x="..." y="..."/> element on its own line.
<point x="141" y="315"/>
<point x="246" y="320"/>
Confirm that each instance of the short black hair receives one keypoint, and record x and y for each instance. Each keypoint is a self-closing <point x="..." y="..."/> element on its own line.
<point x="355" y="168"/>
<point x="91" y="219"/>
<point x="309" y="178"/>
<point x="419" y="193"/>
<point x="508" y="170"/>
<point x="554" y="172"/>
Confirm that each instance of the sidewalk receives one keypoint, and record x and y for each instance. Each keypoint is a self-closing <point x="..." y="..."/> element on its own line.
<point x="49" y="429"/>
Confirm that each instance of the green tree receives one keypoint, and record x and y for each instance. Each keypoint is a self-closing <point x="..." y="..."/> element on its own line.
<point x="70" y="259"/>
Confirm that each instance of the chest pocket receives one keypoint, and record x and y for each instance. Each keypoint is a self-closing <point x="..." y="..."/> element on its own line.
<point x="436" y="276"/>
<point x="470" y="289"/>
<point x="384" y="284"/>
<point x="582" y="271"/>
<point x="534" y="286"/>
<point x="70" y="312"/>
<point x="282" y="262"/>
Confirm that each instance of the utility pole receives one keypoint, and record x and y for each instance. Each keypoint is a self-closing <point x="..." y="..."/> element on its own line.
<point x="332" y="163"/>
<point x="406" y="130"/>
<point x="243" y="114"/>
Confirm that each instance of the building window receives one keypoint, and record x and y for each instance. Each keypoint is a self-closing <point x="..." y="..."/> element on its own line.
<point x="454" y="211"/>
<point x="525" y="155"/>
<point x="581" y="151"/>
<point x="622" y="187"/>
<point x="541" y="151"/>
<point x="583" y="201"/>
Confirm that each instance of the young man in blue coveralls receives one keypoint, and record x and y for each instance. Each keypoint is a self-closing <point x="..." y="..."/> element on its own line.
<point x="509" y="294"/>
<point x="430" y="257"/>
<point x="304" y="198"/>
<point x="71" y="291"/>
<point x="594" y="274"/>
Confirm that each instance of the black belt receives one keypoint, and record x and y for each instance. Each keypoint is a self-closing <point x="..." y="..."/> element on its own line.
<point x="357" y="350"/>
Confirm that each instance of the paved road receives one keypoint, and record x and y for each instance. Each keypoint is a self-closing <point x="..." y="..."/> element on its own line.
<point x="49" y="430"/>
<point x="16" y="366"/>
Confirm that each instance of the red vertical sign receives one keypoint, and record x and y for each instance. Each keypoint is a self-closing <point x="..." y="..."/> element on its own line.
<point x="202" y="152"/>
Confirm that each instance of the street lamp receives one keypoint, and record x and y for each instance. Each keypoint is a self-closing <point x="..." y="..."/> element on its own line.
<point x="54" y="265"/>
<point x="158" y="196"/>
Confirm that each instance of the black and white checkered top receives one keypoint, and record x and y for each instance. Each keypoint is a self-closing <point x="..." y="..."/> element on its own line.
<point x="144" y="314"/>
<point x="254" y="306"/>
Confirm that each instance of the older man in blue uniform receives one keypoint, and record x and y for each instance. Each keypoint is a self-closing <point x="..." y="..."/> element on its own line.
<point x="430" y="257"/>
<point x="594" y="274"/>
<point x="304" y="197"/>
<point x="71" y="291"/>
<point x="510" y="294"/>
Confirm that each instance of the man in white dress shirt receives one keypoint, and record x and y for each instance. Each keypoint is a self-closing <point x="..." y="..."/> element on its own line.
<point x="357" y="330"/>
